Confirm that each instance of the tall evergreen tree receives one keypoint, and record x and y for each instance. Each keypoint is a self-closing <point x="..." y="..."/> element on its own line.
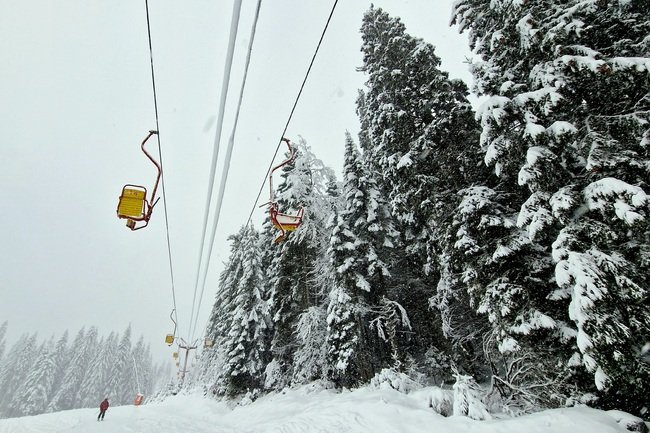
<point x="95" y="383"/>
<point x="567" y="119"/>
<point x="61" y="360"/>
<point x="122" y="377"/>
<point x="246" y="339"/>
<point x="360" y="251"/>
<point x="293" y="266"/>
<point x="142" y="368"/>
<point x="71" y="394"/>
<point x="33" y="397"/>
<point x="64" y="397"/>
<point x="418" y="134"/>
<point x="15" y="370"/>
<point x="214" y="359"/>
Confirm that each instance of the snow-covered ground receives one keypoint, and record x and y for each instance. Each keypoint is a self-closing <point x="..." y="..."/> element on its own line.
<point x="306" y="410"/>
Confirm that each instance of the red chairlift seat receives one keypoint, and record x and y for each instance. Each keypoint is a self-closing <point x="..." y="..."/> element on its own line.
<point x="285" y="222"/>
<point x="133" y="204"/>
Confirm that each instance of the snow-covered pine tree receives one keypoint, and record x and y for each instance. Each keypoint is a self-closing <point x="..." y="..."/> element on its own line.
<point x="246" y="341"/>
<point x="310" y="361"/>
<point x="122" y="377"/>
<point x="213" y="361"/>
<point x="95" y="383"/>
<point x="83" y="356"/>
<point x="33" y="396"/>
<point x="343" y="327"/>
<point x="61" y="360"/>
<point x="361" y="240"/>
<point x="418" y="133"/>
<point x="504" y="275"/>
<point x="567" y="118"/>
<point x="15" y="370"/>
<point x="468" y="398"/>
<point x="295" y="286"/>
<point x="125" y="382"/>
<point x="142" y="369"/>
<point x="64" y="396"/>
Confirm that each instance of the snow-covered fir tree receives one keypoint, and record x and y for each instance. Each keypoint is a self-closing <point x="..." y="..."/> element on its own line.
<point x="418" y="134"/>
<point x="295" y="288"/>
<point x="142" y="368"/>
<point x="36" y="390"/>
<point x="246" y="341"/>
<point x="15" y="369"/>
<point x="69" y="396"/>
<point x="64" y="397"/>
<point x="122" y="374"/>
<point x="61" y="360"/>
<point x="567" y="119"/>
<point x="362" y="238"/>
<point x="213" y="360"/>
<point x="96" y="386"/>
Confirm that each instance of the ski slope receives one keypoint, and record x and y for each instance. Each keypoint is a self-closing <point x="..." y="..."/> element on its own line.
<point x="306" y="410"/>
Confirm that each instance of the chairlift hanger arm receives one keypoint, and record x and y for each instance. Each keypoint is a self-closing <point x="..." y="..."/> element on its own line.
<point x="282" y="164"/>
<point x="152" y="203"/>
<point x="169" y="339"/>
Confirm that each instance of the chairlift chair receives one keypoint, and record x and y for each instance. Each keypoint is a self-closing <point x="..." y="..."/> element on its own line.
<point x="133" y="204"/>
<point x="169" y="338"/>
<point x="285" y="222"/>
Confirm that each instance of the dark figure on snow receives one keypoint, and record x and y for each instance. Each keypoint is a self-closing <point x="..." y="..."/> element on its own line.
<point x="103" y="407"/>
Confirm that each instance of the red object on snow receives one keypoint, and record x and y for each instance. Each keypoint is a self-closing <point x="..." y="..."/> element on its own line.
<point x="138" y="399"/>
<point x="104" y="405"/>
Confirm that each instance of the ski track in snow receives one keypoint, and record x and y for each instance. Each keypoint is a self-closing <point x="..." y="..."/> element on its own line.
<point x="305" y="410"/>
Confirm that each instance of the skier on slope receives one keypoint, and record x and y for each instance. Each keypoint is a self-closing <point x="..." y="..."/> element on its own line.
<point x="103" y="407"/>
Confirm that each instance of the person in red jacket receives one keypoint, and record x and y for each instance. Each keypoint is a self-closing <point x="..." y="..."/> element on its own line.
<point x="103" y="407"/>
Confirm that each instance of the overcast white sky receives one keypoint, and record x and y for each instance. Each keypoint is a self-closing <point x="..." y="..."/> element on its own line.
<point x="76" y="101"/>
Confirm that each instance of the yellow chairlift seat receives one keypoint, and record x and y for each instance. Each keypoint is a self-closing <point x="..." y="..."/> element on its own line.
<point x="175" y="355"/>
<point x="169" y="339"/>
<point x="208" y="343"/>
<point x="131" y="204"/>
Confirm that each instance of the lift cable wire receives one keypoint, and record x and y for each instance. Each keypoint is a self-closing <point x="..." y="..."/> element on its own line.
<point x="293" y="109"/>
<point x="329" y="18"/>
<point x="234" y="25"/>
<point x="155" y="104"/>
<point x="226" y="165"/>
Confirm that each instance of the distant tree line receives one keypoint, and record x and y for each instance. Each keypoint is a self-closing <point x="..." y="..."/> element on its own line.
<point x="511" y="244"/>
<point x="57" y="374"/>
